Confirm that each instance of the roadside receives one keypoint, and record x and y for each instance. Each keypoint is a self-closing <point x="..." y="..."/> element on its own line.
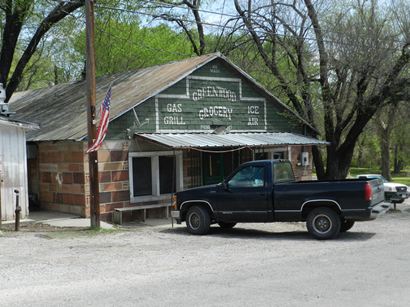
<point x="49" y="221"/>
<point x="250" y="265"/>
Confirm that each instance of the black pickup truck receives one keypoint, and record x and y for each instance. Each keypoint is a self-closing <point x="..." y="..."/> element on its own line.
<point x="266" y="191"/>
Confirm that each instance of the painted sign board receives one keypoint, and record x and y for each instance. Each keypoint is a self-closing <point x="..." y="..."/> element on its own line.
<point x="210" y="102"/>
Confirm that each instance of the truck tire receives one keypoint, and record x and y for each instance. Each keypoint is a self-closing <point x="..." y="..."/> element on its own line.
<point x="346" y="225"/>
<point x="323" y="223"/>
<point x="226" y="225"/>
<point x="198" y="220"/>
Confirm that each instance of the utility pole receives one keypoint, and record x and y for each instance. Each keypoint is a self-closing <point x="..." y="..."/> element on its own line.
<point x="91" y="117"/>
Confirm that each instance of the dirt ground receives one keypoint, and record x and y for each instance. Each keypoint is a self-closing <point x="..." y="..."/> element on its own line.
<point x="251" y="265"/>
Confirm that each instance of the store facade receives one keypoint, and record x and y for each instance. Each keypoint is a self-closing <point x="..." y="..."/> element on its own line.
<point x="172" y="127"/>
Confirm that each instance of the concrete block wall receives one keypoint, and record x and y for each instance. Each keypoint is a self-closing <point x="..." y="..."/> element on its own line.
<point x="62" y="177"/>
<point x="113" y="178"/>
<point x="301" y="172"/>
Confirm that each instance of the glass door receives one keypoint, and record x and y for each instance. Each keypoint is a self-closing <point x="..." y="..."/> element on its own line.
<point x="212" y="167"/>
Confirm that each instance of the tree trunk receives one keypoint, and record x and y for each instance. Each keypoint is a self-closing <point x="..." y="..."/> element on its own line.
<point x="385" y="153"/>
<point x="398" y="163"/>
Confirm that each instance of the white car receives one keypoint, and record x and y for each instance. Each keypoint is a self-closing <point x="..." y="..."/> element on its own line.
<point x="393" y="192"/>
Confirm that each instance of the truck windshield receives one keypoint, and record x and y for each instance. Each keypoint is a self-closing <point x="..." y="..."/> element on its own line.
<point x="282" y="172"/>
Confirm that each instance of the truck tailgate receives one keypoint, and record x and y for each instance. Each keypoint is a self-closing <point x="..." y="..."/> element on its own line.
<point x="378" y="191"/>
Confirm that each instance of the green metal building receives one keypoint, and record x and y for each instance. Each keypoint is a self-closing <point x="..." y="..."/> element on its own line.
<point x="172" y="127"/>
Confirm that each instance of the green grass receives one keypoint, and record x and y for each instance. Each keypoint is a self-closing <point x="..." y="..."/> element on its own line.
<point x="403" y="180"/>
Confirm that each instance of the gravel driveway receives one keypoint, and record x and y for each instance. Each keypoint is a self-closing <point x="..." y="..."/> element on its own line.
<point x="251" y="265"/>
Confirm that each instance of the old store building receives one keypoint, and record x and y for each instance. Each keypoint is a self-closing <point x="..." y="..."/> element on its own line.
<point x="172" y="127"/>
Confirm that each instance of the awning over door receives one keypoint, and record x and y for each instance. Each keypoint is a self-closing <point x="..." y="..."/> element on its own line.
<point x="201" y="140"/>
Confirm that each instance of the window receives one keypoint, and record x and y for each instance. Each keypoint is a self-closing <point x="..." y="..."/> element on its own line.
<point x="154" y="175"/>
<point x="248" y="177"/>
<point x="282" y="172"/>
<point x="142" y="176"/>
<point x="278" y="155"/>
<point x="166" y="174"/>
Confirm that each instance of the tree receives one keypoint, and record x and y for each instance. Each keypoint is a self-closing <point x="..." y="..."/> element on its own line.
<point x="385" y="120"/>
<point x="196" y="38"/>
<point x="348" y="62"/>
<point x="16" y="14"/>
<point x="204" y="36"/>
<point x="125" y="45"/>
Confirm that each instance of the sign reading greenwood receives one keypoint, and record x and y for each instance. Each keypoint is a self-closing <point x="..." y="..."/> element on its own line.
<point x="211" y="102"/>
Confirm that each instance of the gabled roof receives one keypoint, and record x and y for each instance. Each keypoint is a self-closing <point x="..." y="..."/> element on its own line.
<point x="61" y="110"/>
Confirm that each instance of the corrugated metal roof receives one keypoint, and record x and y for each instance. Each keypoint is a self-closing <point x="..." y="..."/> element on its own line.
<point x="201" y="140"/>
<point x="6" y="121"/>
<point x="61" y="110"/>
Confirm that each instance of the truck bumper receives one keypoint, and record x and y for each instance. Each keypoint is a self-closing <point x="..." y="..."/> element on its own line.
<point x="396" y="197"/>
<point x="367" y="214"/>
<point x="378" y="210"/>
<point x="176" y="214"/>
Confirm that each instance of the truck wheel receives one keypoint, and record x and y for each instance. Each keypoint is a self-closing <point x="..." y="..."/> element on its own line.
<point x="198" y="220"/>
<point x="323" y="223"/>
<point x="346" y="225"/>
<point x="226" y="225"/>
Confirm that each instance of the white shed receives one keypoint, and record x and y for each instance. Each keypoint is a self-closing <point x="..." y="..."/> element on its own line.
<point x="13" y="162"/>
<point x="13" y="166"/>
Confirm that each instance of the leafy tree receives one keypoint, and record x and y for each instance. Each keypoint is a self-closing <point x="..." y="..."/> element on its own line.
<point x="124" y="45"/>
<point x="348" y="62"/>
<point x="24" y="24"/>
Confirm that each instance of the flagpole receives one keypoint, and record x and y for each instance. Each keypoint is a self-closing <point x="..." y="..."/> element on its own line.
<point x="91" y="118"/>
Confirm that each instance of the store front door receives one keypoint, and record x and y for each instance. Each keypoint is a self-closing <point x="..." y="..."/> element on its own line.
<point x="217" y="166"/>
<point x="212" y="167"/>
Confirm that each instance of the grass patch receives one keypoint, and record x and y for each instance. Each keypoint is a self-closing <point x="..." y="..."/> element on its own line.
<point x="402" y="180"/>
<point x="354" y="171"/>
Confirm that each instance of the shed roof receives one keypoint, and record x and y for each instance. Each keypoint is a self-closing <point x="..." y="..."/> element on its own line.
<point x="203" y="140"/>
<point x="6" y="121"/>
<point x="61" y="110"/>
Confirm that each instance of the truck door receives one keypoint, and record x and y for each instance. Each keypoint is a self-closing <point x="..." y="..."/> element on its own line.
<point x="244" y="198"/>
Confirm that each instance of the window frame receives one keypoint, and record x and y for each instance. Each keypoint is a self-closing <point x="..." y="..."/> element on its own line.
<point x="155" y="183"/>
<point x="248" y="187"/>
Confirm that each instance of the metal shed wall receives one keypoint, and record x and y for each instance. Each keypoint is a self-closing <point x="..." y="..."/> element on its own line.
<point x="13" y="170"/>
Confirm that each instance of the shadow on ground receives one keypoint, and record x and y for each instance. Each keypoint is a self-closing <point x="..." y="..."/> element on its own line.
<point x="256" y="234"/>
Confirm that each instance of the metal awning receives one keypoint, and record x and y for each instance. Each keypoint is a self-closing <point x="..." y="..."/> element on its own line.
<point x="201" y="140"/>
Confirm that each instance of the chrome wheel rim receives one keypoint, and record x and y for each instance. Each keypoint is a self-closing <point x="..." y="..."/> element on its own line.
<point x="322" y="223"/>
<point x="194" y="221"/>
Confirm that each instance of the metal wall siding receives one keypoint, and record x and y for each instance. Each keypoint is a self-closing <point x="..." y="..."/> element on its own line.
<point x="278" y="119"/>
<point x="222" y="70"/>
<point x="14" y="170"/>
<point x="178" y="88"/>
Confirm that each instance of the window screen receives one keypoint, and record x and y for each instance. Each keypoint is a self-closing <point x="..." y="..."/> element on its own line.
<point x="166" y="174"/>
<point x="142" y="177"/>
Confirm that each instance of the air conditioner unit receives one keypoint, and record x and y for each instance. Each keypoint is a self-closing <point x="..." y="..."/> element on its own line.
<point x="305" y="158"/>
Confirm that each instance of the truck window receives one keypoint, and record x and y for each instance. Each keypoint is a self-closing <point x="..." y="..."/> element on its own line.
<point x="248" y="177"/>
<point x="282" y="172"/>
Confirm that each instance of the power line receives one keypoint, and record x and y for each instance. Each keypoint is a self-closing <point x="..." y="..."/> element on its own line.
<point x="170" y="5"/>
<point x="241" y="28"/>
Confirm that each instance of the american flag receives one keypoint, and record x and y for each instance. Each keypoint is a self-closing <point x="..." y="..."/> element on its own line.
<point x="103" y="125"/>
